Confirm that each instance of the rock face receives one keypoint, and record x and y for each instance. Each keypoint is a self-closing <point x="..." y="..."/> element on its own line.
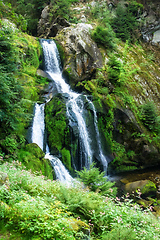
<point x="82" y="53"/>
<point x="145" y="187"/>
<point x="33" y="158"/>
<point x="151" y="16"/>
<point x="49" y="27"/>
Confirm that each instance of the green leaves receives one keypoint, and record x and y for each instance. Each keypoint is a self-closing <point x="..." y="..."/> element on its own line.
<point x="96" y="181"/>
<point x="125" y="22"/>
<point x="114" y="70"/>
<point x="104" y="36"/>
<point x="149" y="115"/>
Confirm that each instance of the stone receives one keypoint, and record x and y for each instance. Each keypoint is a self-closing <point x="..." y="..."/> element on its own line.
<point x="146" y="188"/>
<point x="82" y="54"/>
<point x="48" y="27"/>
<point x="42" y="73"/>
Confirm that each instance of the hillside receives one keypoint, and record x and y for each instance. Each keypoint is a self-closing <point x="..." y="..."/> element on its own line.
<point x="110" y="53"/>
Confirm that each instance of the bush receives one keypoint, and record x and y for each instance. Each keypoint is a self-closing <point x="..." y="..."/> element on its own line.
<point x="114" y="70"/>
<point x="96" y="181"/>
<point x="104" y="36"/>
<point x="43" y="209"/>
<point x="149" y="115"/>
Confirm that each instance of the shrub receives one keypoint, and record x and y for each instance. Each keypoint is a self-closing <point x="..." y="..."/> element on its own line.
<point x="104" y="36"/>
<point x="96" y="181"/>
<point x="125" y="22"/>
<point x="45" y="209"/>
<point x="114" y="69"/>
<point x="149" y="115"/>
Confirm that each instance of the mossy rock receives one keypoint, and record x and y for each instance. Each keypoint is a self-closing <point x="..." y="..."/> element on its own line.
<point x="146" y="187"/>
<point x="58" y="129"/>
<point x="33" y="158"/>
<point x="34" y="149"/>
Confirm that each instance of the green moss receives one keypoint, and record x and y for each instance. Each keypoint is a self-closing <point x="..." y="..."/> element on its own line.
<point x="148" y="188"/>
<point x="66" y="158"/>
<point x="57" y="126"/>
<point x="33" y="158"/>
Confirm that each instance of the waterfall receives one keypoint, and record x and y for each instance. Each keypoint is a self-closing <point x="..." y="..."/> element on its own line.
<point x="102" y="157"/>
<point x="38" y="126"/>
<point x="76" y="115"/>
<point x="38" y="129"/>
<point x="74" y="103"/>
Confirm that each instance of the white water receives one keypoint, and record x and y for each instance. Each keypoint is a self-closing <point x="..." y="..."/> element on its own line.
<point x="74" y="104"/>
<point x="38" y="128"/>
<point x="61" y="172"/>
<point x="102" y="157"/>
<point x="38" y="125"/>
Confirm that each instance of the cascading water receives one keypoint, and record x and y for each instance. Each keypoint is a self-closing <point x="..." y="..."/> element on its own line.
<point x="75" y="111"/>
<point x="102" y="157"/>
<point x="74" y="103"/>
<point x="38" y="129"/>
<point x="38" y="126"/>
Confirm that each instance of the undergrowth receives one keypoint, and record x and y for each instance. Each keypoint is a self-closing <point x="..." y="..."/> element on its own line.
<point x="39" y="208"/>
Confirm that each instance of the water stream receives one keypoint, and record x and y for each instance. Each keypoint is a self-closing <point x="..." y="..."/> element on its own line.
<point x="75" y="112"/>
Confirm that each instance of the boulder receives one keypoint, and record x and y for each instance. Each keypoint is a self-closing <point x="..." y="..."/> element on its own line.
<point x="144" y="187"/>
<point x="82" y="54"/>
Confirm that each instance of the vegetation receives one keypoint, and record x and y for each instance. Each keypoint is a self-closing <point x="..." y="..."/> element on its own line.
<point x="32" y="205"/>
<point x="125" y="23"/>
<point x="58" y="129"/>
<point x="149" y="116"/>
<point x="38" y="208"/>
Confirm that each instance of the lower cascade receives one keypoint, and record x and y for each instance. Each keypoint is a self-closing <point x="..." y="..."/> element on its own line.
<point x="76" y="111"/>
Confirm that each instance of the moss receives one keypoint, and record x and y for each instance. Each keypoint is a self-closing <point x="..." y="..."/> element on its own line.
<point x="33" y="158"/>
<point x="57" y="127"/>
<point x="66" y="158"/>
<point x="149" y="188"/>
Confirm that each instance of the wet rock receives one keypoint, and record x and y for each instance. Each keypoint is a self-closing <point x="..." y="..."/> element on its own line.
<point x="82" y="54"/>
<point x="145" y="187"/>
<point x="42" y="73"/>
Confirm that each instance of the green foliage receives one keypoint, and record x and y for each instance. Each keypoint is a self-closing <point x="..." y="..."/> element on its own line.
<point x="10" y="94"/>
<point x="60" y="8"/>
<point x="120" y="233"/>
<point x="114" y="70"/>
<point x="33" y="158"/>
<point x="104" y="36"/>
<point x="6" y="11"/>
<point x="39" y="208"/>
<point x="7" y="51"/>
<point x="17" y="52"/>
<point x="96" y="181"/>
<point x="31" y="10"/>
<point x="66" y="158"/>
<point x="149" y="115"/>
<point x="125" y="22"/>
<point x="56" y="124"/>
